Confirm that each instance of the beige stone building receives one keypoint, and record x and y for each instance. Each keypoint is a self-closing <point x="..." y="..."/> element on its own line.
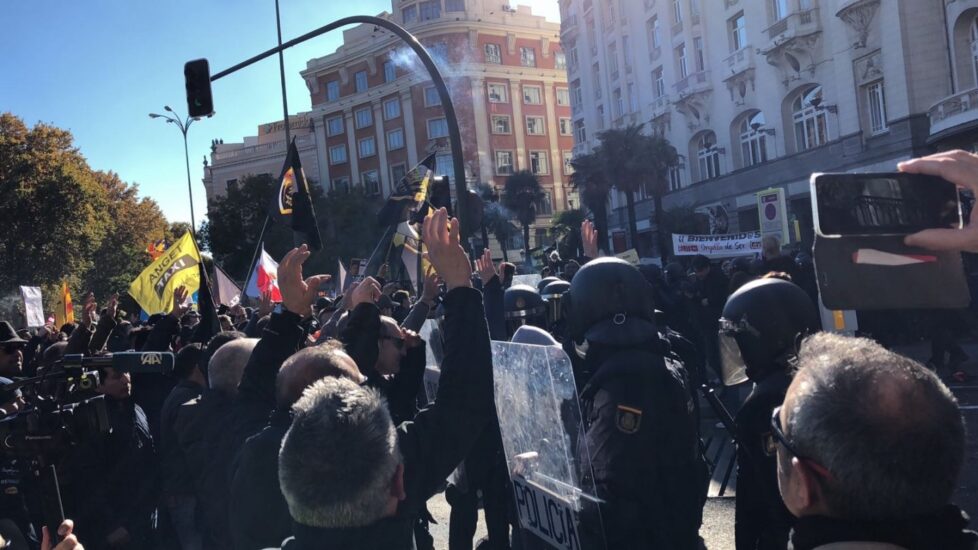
<point x="757" y="94"/>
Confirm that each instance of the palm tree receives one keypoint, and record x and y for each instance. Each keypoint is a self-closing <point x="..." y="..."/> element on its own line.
<point x="658" y="157"/>
<point x="496" y="219"/>
<point x="590" y="180"/>
<point x="566" y="229"/>
<point x="522" y="192"/>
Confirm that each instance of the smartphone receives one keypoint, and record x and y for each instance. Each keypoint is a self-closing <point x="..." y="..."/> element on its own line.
<point x="882" y="204"/>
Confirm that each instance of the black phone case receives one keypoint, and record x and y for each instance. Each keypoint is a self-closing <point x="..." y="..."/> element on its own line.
<point x="844" y="284"/>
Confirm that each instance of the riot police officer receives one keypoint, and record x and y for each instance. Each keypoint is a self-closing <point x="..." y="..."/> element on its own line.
<point x="544" y="282"/>
<point x="760" y="330"/>
<point x="638" y="412"/>
<point x="552" y="295"/>
<point x="523" y="305"/>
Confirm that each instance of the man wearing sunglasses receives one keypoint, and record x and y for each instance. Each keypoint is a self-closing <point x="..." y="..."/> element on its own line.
<point x="11" y="351"/>
<point x="869" y="447"/>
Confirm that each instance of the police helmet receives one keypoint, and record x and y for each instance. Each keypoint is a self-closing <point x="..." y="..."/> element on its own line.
<point x="523" y="305"/>
<point x="544" y="282"/>
<point x="610" y="302"/>
<point x="762" y="324"/>
<point x="553" y="294"/>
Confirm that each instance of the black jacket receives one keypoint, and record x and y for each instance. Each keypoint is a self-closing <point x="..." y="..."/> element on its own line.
<point x="178" y="478"/>
<point x="258" y="510"/>
<point x="435" y="442"/>
<point x="762" y="521"/>
<point x="645" y="460"/>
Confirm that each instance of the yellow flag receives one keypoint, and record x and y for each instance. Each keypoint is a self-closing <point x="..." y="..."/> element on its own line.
<point x="64" y="311"/>
<point x="176" y="267"/>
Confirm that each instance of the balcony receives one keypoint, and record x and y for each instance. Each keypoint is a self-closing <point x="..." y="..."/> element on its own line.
<point x="677" y="28"/>
<point x="797" y="24"/>
<point x="953" y="111"/>
<point x="660" y="106"/>
<point x="696" y="82"/>
<point x="568" y="24"/>
<point x="739" y="62"/>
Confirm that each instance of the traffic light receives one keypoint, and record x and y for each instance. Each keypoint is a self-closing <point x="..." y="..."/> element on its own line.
<point x="197" y="74"/>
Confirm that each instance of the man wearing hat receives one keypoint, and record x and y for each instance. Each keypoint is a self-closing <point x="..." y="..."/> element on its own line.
<point x="11" y="351"/>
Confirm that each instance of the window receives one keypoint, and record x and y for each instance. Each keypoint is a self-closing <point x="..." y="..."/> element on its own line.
<point x="655" y="37"/>
<point x="398" y="171"/>
<point x="675" y="178"/>
<point x="231" y="184"/>
<point x="709" y="156"/>
<point x="681" y="57"/>
<point x="780" y="8"/>
<point x="371" y="181"/>
<point x="578" y="94"/>
<point x="497" y="93"/>
<point x="365" y="117"/>
<point x="538" y="162"/>
<point x="738" y="32"/>
<point x="361" y="80"/>
<point x="632" y="98"/>
<point x="626" y="52"/>
<point x="560" y="61"/>
<point x="395" y="139"/>
<point x="494" y="54"/>
<point x="334" y="126"/>
<point x="332" y="90"/>
<point x="600" y="117"/>
<point x="367" y="147"/>
<point x="534" y="125"/>
<point x="565" y="127"/>
<point x="409" y="14"/>
<point x="528" y="57"/>
<point x="341" y="183"/>
<point x="545" y="207"/>
<point x="429" y="10"/>
<point x="437" y="128"/>
<point x="876" y="102"/>
<point x="811" y="124"/>
<point x="337" y="154"/>
<point x="974" y="47"/>
<point x="753" y="139"/>
<point x="698" y="52"/>
<point x="619" y="103"/>
<point x="580" y="134"/>
<point x="389" y="73"/>
<point x="572" y="60"/>
<point x="454" y="5"/>
<point x="677" y="11"/>
<point x="431" y="97"/>
<point x="392" y="108"/>
<point x="504" y="163"/>
<point x="500" y="124"/>
<point x="613" y="60"/>
<point x="568" y="165"/>
<point x="609" y="11"/>
<point x="531" y="95"/>
<point x="658" y="83"/>
<point x="596" y="70"/>
<point x="563" y="97"/>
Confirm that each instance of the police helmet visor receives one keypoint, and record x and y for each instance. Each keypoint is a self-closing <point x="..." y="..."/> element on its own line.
<point x="732" y="363"/>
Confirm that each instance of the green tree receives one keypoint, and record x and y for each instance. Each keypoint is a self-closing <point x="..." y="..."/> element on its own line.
<point x="590" y="180"/>
<point x="522" y="192"/>
<point x="634" y="161"/>
<point x="565" y="226"/>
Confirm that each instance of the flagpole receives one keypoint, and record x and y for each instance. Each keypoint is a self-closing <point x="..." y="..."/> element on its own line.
<point x="281" y="70"/>
<point x="254" y="257"/>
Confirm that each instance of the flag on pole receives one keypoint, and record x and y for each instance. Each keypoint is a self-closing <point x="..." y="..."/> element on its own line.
<point x="264" y="278"/>
<point x="407" y="238"/>
<point x="411" y="191"/>
<point x="228" y="293"/>
<point x="64" y="311"/>
<point x="292" y="204"/>
<point x="208" y="325"/>
<point x="153" y="289"/>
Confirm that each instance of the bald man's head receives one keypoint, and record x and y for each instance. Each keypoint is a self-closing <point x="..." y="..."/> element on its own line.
<point x="309" y="365"/>
<point x="227" y="364"/>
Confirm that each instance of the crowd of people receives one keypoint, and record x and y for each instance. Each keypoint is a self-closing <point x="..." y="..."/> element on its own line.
<point x="305" y="424"/>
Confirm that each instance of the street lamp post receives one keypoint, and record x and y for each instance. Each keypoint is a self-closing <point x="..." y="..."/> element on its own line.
<point x="184" y="125"/>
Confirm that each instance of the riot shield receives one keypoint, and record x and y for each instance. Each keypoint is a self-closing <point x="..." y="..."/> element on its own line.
<point x="543" y="439"/>
<point x="431" y="334"/>
<point x="531" y="280"/>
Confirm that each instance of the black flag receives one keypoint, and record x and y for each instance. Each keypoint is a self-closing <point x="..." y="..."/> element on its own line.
<point x="209" y="325"/>
<point x="292" y="204"/>
<point x="411" y="191"/>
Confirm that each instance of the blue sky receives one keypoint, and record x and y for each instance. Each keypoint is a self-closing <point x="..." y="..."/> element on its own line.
<point x="98" y="68"/>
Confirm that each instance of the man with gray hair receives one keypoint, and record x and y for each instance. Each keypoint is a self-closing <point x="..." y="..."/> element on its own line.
<point x="352" y="480"/>
<point x="869" y="446"/>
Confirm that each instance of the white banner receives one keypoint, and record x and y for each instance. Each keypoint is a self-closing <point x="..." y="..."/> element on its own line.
<point x="718" y="246"/>
<point x="33" y="306"/>
<point x="546" y="515"/>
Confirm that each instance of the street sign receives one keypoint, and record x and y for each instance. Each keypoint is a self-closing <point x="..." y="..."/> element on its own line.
<point x="773" y="214"/>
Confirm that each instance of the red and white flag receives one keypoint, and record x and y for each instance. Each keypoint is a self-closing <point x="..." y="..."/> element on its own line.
<point x="264" y="278"/>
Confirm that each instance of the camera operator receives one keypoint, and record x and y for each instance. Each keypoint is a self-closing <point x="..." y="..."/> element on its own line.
<point x="373" y="501"/>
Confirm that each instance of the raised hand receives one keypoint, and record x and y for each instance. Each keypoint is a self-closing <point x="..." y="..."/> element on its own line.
<point x="298" y="294"/>
<point x="70" y="542"/>
<point x="431" y="282"/>
<point x="368" y="291"/>
<point x="265" y="303"/>
<point x="441" y="235"/>
<point x="589" y="238"/>
<point x="486" y="267"/>
<point x="180" y="304"/>
<point x="89" y="311"/>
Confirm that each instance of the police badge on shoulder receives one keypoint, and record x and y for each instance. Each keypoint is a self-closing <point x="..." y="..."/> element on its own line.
<point x="628" y="419"/>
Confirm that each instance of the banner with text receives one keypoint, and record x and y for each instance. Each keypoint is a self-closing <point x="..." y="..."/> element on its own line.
<point x="718" y="246"/>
